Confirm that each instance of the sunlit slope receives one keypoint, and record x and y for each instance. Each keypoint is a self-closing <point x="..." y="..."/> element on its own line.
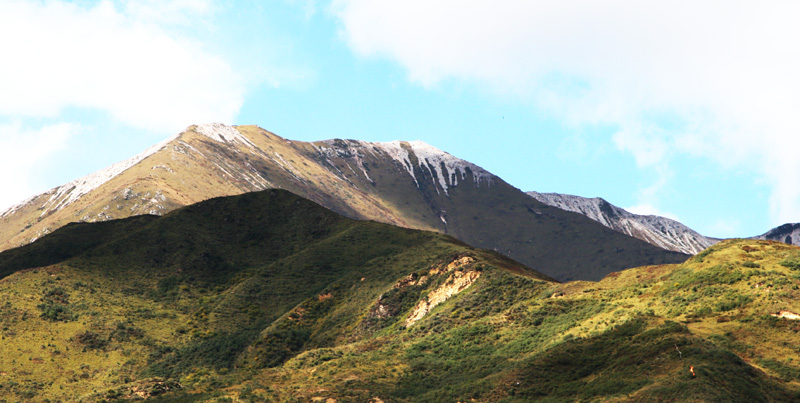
<point x="148" y="304"/>
<point x="201" y="163"/>
<point x="267" y="296"/>
<point x="409" y="184"/>
<point x="635" y="336"/>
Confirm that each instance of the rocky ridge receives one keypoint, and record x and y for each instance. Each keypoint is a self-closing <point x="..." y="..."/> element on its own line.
<point x="786" y="233"/>
<point x="660" y="231"/>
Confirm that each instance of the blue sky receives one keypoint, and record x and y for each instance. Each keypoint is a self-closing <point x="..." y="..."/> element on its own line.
<point x="683" y="109"/>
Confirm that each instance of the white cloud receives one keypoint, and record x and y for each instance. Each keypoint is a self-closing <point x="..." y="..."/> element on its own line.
<point x="166" y="13"/>
<point x="22" y="151"/>
<point x="647" y="144"/>
<point x="714" y="79"/>
<point x="122" y="60"/>
<point x="124" y="69"/>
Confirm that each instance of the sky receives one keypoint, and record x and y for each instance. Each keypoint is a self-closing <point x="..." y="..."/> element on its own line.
<point x="684" y="109"/>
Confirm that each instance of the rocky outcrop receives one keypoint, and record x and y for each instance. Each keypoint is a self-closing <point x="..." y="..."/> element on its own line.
<point x="457" y="282"/>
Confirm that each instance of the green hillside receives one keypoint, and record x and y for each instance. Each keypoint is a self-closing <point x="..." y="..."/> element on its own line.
<point x="93" y="307"/>
<point x="269" y="297"/>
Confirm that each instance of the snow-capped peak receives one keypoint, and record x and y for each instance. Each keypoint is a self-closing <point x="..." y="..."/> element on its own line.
<point x="447" y="169"/>
<point x="436" y="158"/>
<point x="430" y="157"/>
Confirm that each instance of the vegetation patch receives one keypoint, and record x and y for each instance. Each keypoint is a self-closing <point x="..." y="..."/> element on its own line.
<point x="792" y="261"/>
<point x="55" y="306"/>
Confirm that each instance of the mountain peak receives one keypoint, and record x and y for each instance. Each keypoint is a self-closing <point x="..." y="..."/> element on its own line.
<point x="446" y="170"/>
<point x="68" y="193"/>
<point x="222" y="133"/>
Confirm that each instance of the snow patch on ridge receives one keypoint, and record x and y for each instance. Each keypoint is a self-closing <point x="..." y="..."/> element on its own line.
<point x="223" y="133"/>
<point x="398" y="153"/>
<point x="68" y="193"/>
<point x="660" y="231"/>
<point x="446" y="169"/>
<point x="447" y="166"/>
<point x="346" y="150"/>
<point x="13" y="209"/>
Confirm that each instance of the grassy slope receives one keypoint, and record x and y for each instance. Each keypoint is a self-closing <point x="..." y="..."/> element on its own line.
<point x="632" y="336"/>
<point x="267" y="296"/>
<point x="191" y="293"/>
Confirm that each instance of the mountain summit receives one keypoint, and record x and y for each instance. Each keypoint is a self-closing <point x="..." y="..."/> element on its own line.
<point x="410" y="184"/>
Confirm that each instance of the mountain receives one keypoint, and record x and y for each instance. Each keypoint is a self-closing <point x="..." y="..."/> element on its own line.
<point x="659" y="231"/>
<point x="410" y="184"/>
<point x="270" y="297"/>
<point x="206" y="285"/>
<point x="786" y="233"/>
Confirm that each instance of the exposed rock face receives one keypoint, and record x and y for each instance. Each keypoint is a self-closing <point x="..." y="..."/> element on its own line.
<point x="457" y="282"/>
<point x="787" y="315"/>
<point x="786" y="233"/>
<point x="659" y="231"/>
<point x="460" y="275"/>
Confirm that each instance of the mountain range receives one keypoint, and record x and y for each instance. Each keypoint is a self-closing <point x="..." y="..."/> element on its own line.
<point x="410" y="184"/>
<point x="267" y="296"/>
<point x="230" y="264"/>
<point x="660" y="231"/>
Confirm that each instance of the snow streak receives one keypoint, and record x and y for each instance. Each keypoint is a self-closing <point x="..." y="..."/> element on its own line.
<point x="446" y="169"/>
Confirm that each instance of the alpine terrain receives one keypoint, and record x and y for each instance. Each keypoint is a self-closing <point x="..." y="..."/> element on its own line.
<point x="410" y="184"/>
<point x="660" y="231"/>
<point x="267" y="296"/>
<point x="786" y="233"/>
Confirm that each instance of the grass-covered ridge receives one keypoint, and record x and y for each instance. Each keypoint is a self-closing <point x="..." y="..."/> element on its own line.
<point x="215" y="288"/>
<point x="269" y="297"/>
<point x="632" y="337"/>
